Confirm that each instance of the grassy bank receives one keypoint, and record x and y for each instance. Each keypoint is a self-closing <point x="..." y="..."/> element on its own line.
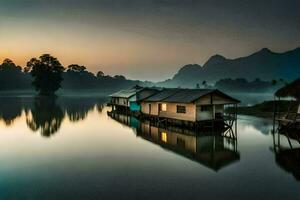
<point x="265" y="109"/>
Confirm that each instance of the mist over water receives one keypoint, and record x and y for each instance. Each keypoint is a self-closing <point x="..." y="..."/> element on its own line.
<point x="249" y="99"/>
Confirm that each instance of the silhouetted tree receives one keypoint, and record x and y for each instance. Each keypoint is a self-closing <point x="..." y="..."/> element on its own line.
<point x="9" y="65"/>
<point x="100" y="74"/>
<point x="274" y="82"/>
<point x="120" y="77"/>
<point x="12" y="77"/>
<point x="77" y="77"/>
<point x="47" y="73"/>
<point x="76" y="68"/>
<point x="242" y="85"/>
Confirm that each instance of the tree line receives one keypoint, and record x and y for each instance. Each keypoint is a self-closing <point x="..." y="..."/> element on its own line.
<point x="46" y="75"/>
<point x="242" y="85"/>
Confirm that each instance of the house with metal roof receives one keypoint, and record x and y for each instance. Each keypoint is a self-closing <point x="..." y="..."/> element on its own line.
<point x="129" y="99"/>
<point x="187" y="104"/>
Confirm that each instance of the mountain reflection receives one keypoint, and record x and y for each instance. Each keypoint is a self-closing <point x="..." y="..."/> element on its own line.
<point x="213" y="149"/>
<point x="46" y="115"/>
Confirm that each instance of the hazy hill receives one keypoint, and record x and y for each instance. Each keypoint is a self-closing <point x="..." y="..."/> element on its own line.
<point x="264" y="64"/>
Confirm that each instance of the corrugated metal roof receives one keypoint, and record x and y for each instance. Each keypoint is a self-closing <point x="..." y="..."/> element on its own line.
<point x="126" y="93"/>
<point x="146" y="93"/>
<point x="165" y="93"/>
<point x="175" y="95"/>
<point x="187" y="95"/>
<point x="183" y="95"/>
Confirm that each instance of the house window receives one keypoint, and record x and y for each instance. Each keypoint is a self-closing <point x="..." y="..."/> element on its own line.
<point x="181" y="109"/>
<point x="207" y="108"/>
<point x="164" y="137"/>
<point x="164" y="107"/>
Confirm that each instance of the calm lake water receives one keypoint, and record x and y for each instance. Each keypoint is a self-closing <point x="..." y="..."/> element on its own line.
<point x="70" y="148"/>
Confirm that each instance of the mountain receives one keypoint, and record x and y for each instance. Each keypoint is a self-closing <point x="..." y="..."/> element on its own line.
<point x="264" y="64"/>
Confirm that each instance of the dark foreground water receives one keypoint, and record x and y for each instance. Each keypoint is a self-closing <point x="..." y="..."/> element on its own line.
<point x="70" y="148"/>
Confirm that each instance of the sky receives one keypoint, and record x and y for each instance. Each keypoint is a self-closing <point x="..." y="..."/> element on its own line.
<point x="145" y="39"/>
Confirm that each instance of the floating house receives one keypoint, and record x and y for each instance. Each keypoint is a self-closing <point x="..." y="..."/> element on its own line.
<point x="191" y="105"/>
<point x="128" y="100"/>
<point x="292" y="118"/>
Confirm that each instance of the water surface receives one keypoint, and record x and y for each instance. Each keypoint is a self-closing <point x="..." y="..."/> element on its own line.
<point x="70" y="148"/>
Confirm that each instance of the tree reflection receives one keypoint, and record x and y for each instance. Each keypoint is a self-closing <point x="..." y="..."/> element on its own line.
<point x="10" y="109"/>
<point x="99" y="107"/>
<point x="77" y="109"/>
<point x="75" y="115"/>
<point x="45" y="116"/>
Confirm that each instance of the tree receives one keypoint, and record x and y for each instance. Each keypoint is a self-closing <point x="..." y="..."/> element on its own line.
<point x="274" y="82"/>
<point x="100" y="74"/>
<point x="77" y="77"/>
<point x="47" y="73"/>
<point x="12" y="77"/>
<point x="120" y="77"/>
<point x="9" y="65"/>
<point x="76" y="68"/>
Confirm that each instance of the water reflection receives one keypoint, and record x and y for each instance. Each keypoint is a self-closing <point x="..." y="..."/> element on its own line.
<point x="77" y="109"/>
<point x="86" y="157"/>
<point x="47" y="114"/>
<point x="286" y="147"/>
<point x="10" y="109"/>
<point x="214" y="149"/>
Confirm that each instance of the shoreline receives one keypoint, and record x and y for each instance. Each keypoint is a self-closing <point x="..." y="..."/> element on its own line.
<point x="266" y="109"/>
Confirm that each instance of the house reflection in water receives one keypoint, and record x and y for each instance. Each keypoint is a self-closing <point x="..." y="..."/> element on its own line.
<point x="213" y="149"/>
<point x="287" y="151"/>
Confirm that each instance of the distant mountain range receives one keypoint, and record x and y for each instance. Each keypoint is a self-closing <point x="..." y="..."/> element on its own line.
<point x="264" y="64"/>
<point x="248" y="74"/>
